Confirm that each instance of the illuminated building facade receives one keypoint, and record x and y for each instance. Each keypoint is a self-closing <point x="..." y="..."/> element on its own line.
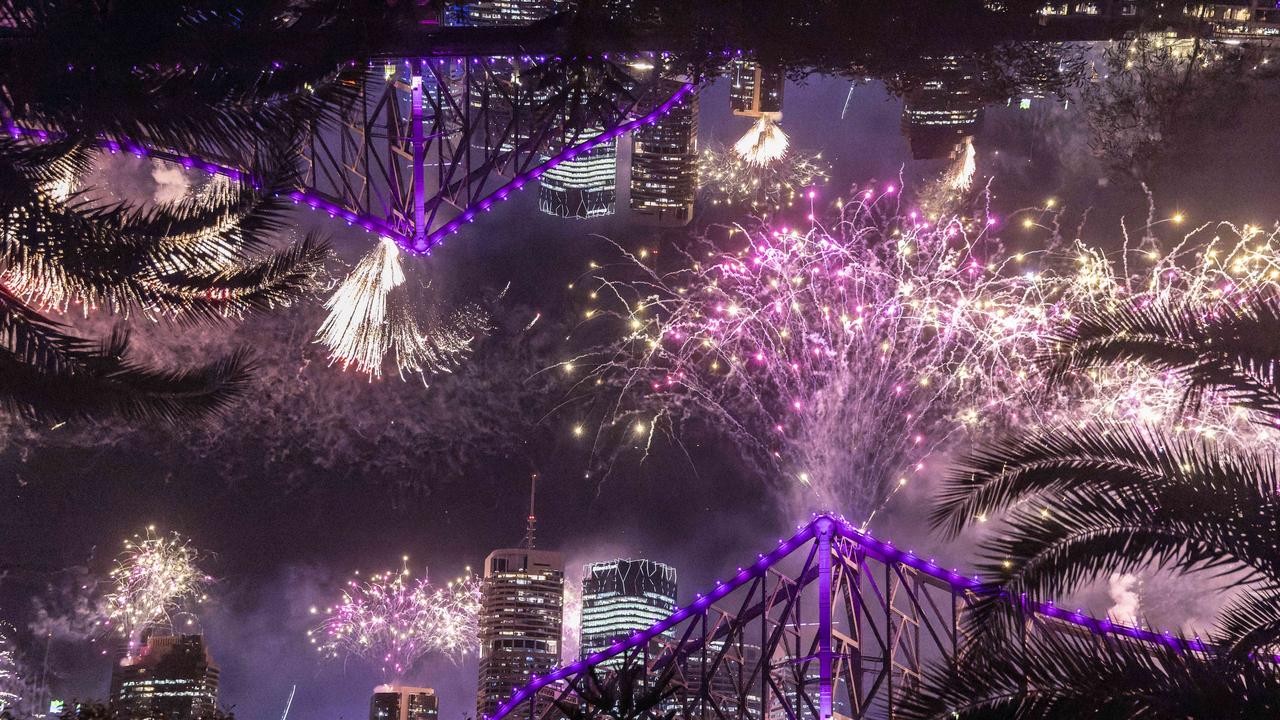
<point x="493" y="13"/>
<point x="397" y="702"/>
<point x="171" y="678"/>
<point x="664" y="163"/>
<point x="753" y="90"/>
<point x="521" y="613"/>
<point x="1259" y="18"/>
<point x="584" y="187"/>
<point x="620" y="597"/>
<point x="944" y="108"/>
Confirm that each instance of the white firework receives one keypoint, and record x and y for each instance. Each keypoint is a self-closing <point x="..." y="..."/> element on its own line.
<point x="370" y="317"/>
<point x="357" y="331"/>
<point x="764" y="144"/>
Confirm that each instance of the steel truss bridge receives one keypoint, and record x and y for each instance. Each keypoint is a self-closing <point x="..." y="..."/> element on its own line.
<point x="831" y="622"/>
<point x="423" y="146"/>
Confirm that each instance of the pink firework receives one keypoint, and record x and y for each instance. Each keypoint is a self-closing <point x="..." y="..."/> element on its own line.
<point x="393" y="620"/>
<point x="843" y="360"/>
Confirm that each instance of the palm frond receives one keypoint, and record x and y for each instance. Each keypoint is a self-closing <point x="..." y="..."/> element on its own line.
<point x="1054" y="673"/>
<point x="1078" y="505"/>
<point x="1232" y="351"/>
<point x="255" y="286"/>
<point x="89" y="383"/>
<point x="1251" y="624"/>
<point x="1016" y="470"/>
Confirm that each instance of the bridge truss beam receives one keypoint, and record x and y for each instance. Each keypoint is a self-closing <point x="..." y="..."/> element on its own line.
<point x="831" y="623"/>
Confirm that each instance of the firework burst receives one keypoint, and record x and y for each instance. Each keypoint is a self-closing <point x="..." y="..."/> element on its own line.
<point x="370" y="317"/>
<point x="393" y="620"/>
<point x="727" y="178"/>
<point x="959" y="177"/>
<point x="764" y="144"/>
<point x="155" y="579"/>
<point x="356" y="330"/>
<point x="841" y="359"/>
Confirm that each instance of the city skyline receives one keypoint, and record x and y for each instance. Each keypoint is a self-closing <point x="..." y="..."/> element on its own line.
<point x="274" y="460"/>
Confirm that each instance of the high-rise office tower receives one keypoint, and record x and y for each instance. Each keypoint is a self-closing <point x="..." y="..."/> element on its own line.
<point x="620" y="597"/>
<point x="399" y="702"/>
<point x="753" y="90"/>
<point x="171" y="678"/>
<point x="521" y="613"/>
<point x="664" y="162"/>
<point x="944" y="108"/>
<point x="584" y="187"/>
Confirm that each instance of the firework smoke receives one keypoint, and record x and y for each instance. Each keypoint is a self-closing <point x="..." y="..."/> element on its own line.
<point x="155" y="579"/>
<point x="571" y="643"/>
<point x="392" y="621"/>
<point x="764" y="144"/>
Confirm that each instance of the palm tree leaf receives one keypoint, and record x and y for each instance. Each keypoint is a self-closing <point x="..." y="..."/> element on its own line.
<point x="1056" y="673"/>
<point x="1232" y="350"/>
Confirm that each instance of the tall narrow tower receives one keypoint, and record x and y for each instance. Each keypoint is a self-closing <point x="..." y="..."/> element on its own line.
<point x="531" y="525"/>
<point x="521" y="617"/>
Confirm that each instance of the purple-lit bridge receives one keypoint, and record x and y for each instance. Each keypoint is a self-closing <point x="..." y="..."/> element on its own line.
<point x="423" y="146"/>
<point x="430" y="143"/>
<point x="831" y="622"/>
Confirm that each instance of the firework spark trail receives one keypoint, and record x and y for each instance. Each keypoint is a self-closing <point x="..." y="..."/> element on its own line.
<point x="951" y="190"/>
<point x="764" y="144"/>
<point x="369" y="317"/>
<point x="12" y="684"/>
<point x="959" y="177"/>
<point x="356" y="330"/>
<point x="842" y="360"/>
<point x="155" y="578"/>
<point x="727" y="178"/>
<point x="393" y="620"/>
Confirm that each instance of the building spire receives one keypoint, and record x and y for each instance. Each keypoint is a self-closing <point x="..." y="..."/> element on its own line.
<point x="532" y="525"/>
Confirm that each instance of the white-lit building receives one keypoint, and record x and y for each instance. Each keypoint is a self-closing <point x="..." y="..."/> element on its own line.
<point x="584" y="187"/>
<point x="620" y="597"/>
<point x="400" y="702"/>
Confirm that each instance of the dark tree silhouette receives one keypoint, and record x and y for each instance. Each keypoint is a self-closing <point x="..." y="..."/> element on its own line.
<point x="1082" y="504"/>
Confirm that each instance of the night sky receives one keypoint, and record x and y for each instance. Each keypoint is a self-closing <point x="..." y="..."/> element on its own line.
<point x="319" y="473"/>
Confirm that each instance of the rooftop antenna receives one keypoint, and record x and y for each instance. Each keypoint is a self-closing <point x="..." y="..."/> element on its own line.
<point x="533" y="519"/>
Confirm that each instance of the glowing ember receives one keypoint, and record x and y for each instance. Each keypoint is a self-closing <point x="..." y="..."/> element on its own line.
<point x="727" y="178"/>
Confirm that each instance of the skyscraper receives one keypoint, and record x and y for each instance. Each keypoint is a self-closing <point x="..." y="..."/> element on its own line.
<point x="521" y="612"/>
<point x="397" y="702"/>
<point x="664" y="162"/>
<point x="171" y="678"/>
<point x="753" y="90"/>
<point x="944" y="108"/>
<point x="620" y="597"/>
<point x="584" y="187"/>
